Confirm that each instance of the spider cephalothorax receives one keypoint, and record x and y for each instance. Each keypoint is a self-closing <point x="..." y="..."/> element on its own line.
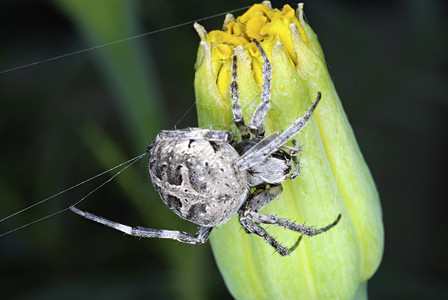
<point x="206" y="177"/>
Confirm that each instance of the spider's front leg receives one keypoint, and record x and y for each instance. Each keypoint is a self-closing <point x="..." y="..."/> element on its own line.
<point x="253" y="156"/>
<point x="256" y="123"/>
<point x="256" y="202"/>
<point x="236" y="105"/>
<point x="256" y="126"/>
<point x="183" y="237"/>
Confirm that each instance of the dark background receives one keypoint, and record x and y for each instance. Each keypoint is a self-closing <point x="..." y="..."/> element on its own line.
<point x="62" y="121"/>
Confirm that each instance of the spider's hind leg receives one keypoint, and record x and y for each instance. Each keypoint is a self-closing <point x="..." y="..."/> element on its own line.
<point x="183" y="237"/>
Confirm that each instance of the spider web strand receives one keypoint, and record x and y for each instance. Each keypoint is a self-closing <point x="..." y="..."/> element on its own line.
<point x="131" y="161"/>
<point x="120" y="41"/>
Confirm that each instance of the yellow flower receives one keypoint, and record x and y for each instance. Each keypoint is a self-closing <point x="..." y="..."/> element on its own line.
<point x="334" y="177"/>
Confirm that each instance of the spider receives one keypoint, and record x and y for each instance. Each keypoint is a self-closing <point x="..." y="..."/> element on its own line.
<point x="206" y="177"/>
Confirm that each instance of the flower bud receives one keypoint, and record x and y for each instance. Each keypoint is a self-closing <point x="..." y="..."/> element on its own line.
<point x="334" y="177"/>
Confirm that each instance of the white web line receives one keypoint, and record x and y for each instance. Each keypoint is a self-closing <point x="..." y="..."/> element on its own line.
<point x="126" y="165"/>
<point x="119" y="41"/>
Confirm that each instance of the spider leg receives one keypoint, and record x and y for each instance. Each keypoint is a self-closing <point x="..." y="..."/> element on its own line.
<point x="236" y="106"/>
<point x="296" y="171"/>
<point x="302" y="229"/>
<point x="256" y="123"/>
<point x="293" y="152"/>
<point x="183" y="237"/>
<point x="195" y="134"/>
<point x="251" y="158"/>
<point x="251" y="227"/>
<point x="254" y="204"/>
<point x="261" y="198"/>
<point x="249" y="215"/>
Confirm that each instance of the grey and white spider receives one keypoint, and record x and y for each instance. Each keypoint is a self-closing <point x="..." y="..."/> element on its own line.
<point x="206" y="177"/>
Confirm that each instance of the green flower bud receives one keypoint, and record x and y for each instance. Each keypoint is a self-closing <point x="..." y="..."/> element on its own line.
<point x="334" y="177"/>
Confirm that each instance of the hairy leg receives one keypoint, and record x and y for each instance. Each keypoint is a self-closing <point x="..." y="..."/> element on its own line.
<point x="254" y="204"/>
<point x="236" y="105"/>
<point x="256" y="123"/>
<point x="302" y="229"/>
<point x="196" y="134"/>
<point x="183" y="237"/>
<point x="251" y="158"/>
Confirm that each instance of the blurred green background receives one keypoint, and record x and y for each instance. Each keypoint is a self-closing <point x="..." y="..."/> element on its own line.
<point x="71" y="118"/>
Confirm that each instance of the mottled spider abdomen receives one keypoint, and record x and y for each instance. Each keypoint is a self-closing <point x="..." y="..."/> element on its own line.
<point x="197" y="179"/>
